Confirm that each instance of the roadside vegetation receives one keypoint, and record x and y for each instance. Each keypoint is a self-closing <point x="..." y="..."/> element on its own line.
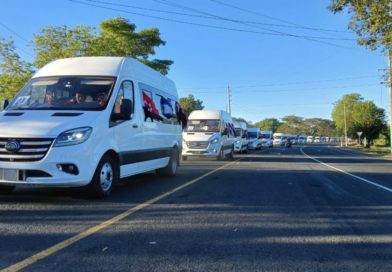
<point x="370" y="20"/>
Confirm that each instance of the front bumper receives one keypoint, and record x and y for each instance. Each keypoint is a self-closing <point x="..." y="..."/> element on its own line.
<point x="213" y="150"/>
<point x="50" y="174"/>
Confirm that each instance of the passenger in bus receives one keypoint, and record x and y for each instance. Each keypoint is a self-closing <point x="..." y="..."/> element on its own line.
<point x="80" y="97"/>
<point x="50" y="97"/>
<point x="101" y="99"/>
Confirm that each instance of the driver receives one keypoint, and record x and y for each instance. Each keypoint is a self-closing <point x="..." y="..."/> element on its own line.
<point x="80" y="97"/>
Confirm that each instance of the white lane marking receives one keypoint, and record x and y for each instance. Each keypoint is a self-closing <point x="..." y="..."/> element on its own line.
<point x="347" y="173"/>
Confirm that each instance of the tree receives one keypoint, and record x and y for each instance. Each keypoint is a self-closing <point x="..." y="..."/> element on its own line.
<point x="190" y="104"/>
<point x="369" y="119"/>
<point x="55" y="42"/>
<point x="347" y="102"/>
<point x="117" y="37"/>
<point x="292" y="124"/>
<point x="270" y="124"/>
<point x="14" y="72"/>
<point x="318" y="126"/>
<point x="371" y="20"/>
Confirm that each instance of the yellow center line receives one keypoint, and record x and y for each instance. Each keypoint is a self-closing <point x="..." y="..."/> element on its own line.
<point x="90" y="231"/>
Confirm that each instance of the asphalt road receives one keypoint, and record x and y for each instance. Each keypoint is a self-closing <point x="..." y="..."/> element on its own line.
<point x="272" y="210"/>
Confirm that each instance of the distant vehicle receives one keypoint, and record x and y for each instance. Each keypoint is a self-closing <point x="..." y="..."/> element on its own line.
<point x="241" y="141"/>
<point x="293" y="139"/>
<point x="301" y="139"/>
<point x="280" y="139"/>
<point x="309" y="139"/>
<point x="317" y="139"/>
<point x="210" y="133"/>
<point x="254" y="140"/>
<point x="266" y="137"/>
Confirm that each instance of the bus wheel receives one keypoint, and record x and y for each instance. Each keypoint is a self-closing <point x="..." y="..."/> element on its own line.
<point x="221" y="155"/>
<point x="171" y="169"/>
<point x="106" y="174"/>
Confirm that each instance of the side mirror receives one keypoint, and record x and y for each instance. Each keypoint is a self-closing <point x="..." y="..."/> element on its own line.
<point x="126" y="109"/>
<point x="4" y="104"/>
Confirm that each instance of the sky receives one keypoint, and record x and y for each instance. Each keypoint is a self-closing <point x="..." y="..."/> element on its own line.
<point x="278" y="57"/>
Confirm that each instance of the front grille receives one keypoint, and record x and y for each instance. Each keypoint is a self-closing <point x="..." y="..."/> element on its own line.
<point x="31" y="149"/>
<point x="197" y="145"/>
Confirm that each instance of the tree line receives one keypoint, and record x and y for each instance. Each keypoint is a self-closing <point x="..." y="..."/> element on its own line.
<point x="370" y="20"/>
<point x="115" y="37"/>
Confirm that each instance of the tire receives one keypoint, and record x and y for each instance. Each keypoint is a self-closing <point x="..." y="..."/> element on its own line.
<point x="106" y="174"/>
<point x="230" y="156"/>
<point x="221" y="155"/>
<point x="170" y="169"/>
<point x="4" y="189"/>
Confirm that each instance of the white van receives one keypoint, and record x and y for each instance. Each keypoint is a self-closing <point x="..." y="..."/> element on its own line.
<point x="210" y="133"/>
<point x="266" y="138"/>
<point x="254" y="140"/>
<point x="301" y="139"/>
<point x="309" y="139"/>
<point x="90" y="121"/>
<point x="241" y="141"/>
<point x="280" y="139"/>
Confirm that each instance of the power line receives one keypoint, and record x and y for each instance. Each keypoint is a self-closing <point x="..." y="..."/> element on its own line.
<point x="309" y="38"/>
<point x="278" y="84"/>
<point x="19" y="36"/>
<point x="292" y="90"/>
<point x="277" y="19"/>
<point x="214" y="18"/>
<point x="15" y="33"/>
<point x="212" y="26"/>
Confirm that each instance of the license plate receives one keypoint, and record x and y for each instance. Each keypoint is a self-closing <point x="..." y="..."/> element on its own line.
<point x="9" y="174"/>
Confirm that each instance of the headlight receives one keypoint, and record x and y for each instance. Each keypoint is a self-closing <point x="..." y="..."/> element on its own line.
<point x="73" y="137"/>
<point x="214" y="141"/>
<point x="237" y="142"/>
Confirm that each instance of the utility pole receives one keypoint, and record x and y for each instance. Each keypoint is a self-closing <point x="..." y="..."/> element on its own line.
<point x="229" y="97"/>
<point x="345" y="124"/>
<point x="390" y="95"/>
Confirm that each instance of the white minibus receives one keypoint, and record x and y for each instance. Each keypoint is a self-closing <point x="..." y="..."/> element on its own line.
<point x="90" y="121"/>
<point x="254" y="138"/>
<point x="266" y="138"/>
<point x="210" y="133"/>
<point x="280" y="138"/>
<point x="241" y="141"/>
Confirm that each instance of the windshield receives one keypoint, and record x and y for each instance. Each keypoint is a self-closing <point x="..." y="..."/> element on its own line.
<point x="277" y="137"/>
<point x="64" y="93"/>
<point x="252" y="135"/>
<point x="203" y="126"/>
<point x="265" y="136"/>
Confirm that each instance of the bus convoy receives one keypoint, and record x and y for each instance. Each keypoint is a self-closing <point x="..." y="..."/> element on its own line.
<point x="90" y="121"/>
